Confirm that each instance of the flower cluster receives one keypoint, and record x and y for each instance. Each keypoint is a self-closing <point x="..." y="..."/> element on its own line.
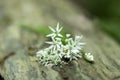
<point x="61" y="48"/>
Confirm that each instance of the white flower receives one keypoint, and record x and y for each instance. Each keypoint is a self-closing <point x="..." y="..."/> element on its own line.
<point x="89" y="57"/>
<point x="56" y="32"/>
<point x="58" y="29"/>
<point x="68" y="35"/>
<point x="75" y="50"/>
<point x="71" y="49"/>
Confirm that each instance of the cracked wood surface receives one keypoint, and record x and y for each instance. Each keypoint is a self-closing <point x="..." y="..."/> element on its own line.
<point x="22" y="66"/>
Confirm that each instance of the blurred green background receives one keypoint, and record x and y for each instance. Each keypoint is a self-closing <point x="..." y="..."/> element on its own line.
<point x="107" y="12"/>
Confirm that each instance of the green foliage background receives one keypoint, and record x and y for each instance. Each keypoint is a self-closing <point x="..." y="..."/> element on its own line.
<point x="108" y="13"/>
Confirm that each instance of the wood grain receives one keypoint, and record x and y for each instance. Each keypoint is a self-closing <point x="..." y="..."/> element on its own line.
<point x="22" y="66"/>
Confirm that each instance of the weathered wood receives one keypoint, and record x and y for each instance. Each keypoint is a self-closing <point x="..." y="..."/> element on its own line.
<point x="22" y="66"/>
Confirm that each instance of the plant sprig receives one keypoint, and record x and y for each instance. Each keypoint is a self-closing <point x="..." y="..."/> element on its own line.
<point x="62" y="48"/>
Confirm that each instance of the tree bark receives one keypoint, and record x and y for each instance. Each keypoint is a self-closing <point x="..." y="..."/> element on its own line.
<point x="14" y="39"/>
